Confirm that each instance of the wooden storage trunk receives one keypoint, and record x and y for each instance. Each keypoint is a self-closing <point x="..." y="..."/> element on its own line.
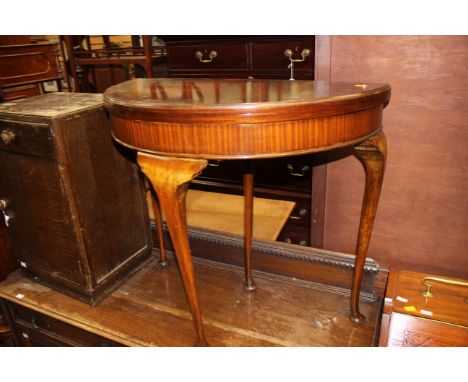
<point x="75" y="205"/>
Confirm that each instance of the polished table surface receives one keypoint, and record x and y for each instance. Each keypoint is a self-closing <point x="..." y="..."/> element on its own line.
<point x="175" y="125"/>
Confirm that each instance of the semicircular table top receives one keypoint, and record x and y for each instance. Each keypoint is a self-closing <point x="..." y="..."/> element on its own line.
<point x="240" y="118"/>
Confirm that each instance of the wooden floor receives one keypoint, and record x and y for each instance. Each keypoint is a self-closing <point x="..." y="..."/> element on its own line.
<point x="151" y="309"/>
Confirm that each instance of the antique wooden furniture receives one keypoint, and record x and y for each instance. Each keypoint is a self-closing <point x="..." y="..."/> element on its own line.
<point x="176" y="132"/>
<point x="86" y="64"/>
<point x="73" y="205"/>
<point x="155" y="300"/>
<point x="241" y="56"/>
<point x="23" y="67"/>
<point x="288" y="178"/>
<point x="424" y="310"/>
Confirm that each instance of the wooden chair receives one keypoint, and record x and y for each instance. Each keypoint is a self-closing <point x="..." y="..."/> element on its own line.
<point x="93" y="70"/>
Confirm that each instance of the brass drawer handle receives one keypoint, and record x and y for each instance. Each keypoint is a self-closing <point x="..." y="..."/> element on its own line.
<point x="289" y="53"/>
<point x="213" y="54"/>
<point x="303" y="172"/>
<point x="215" y="163"/>
<point x="289" y="241"/>
<point x="428" y="292"/>
<point x="7" y="136"/>
<point x="302" y="213"/>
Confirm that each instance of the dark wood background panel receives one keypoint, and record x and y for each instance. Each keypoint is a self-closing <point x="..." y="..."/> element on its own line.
<point x="30" y="63"/>
<point x="423" y="213"/>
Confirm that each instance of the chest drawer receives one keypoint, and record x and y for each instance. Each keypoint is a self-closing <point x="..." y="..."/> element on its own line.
<point x="291" y="173"/>
<point x="36" y="329"/>
<point x="208" y="56"/>
<point x="26" y="138"/>
<point x="272" y="56"/>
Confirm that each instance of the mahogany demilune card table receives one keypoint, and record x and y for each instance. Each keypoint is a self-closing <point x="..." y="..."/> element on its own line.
<point x="177" y="125"/>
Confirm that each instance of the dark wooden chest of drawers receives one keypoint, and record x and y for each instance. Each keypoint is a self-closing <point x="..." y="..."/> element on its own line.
<point x="240" y="57"/>
<point x="74" y="206"/>
<point x="254" y="57"/>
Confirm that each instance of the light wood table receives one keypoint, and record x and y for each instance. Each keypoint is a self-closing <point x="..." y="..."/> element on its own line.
<point x="176" y="125"/>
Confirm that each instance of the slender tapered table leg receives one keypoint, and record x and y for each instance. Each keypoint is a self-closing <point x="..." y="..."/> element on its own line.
<point x="163" y="262"/>
<point x="170" y="178"/>
<point x="249" y="284"/>
<point x="372" y="153"/>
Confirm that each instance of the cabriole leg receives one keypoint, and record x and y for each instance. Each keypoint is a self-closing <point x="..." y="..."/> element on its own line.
<point x="170" y="178"/>
<point x="372" y="153"/>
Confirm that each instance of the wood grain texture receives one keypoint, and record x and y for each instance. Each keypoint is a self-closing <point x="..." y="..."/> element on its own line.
<point x="423" y="212"/>
<point x="282" y="312"/>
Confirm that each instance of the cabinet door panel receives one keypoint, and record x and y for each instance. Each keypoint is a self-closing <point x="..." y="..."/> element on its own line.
<point x="40" y="224"/>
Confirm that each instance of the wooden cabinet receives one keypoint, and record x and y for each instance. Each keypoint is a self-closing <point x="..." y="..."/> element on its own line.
<point x="255" y="57"/>
<point x="424" y="310"/>
<point x="74" y="206"/>
<point x="23" y="67"/>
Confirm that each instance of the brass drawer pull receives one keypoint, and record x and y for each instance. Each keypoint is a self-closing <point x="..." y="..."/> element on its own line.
<point x="302" y="213"/>
<point x="7" y="136"/>
<point x="289" y="241"/>
<point x="303" y="172"/>
<point x="289" y="53"/>
<point x="213" y="54"/>
<point x="428" y="292"/>
<point x="215" y="163"/>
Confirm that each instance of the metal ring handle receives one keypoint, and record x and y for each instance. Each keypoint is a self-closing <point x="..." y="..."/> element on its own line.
<point x="289" y="53"/>
<point x="212" y="55"/>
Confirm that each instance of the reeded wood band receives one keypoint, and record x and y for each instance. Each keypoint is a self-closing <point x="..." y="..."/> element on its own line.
<point x="235" y="119"/>
<point x="260" y="140"/>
